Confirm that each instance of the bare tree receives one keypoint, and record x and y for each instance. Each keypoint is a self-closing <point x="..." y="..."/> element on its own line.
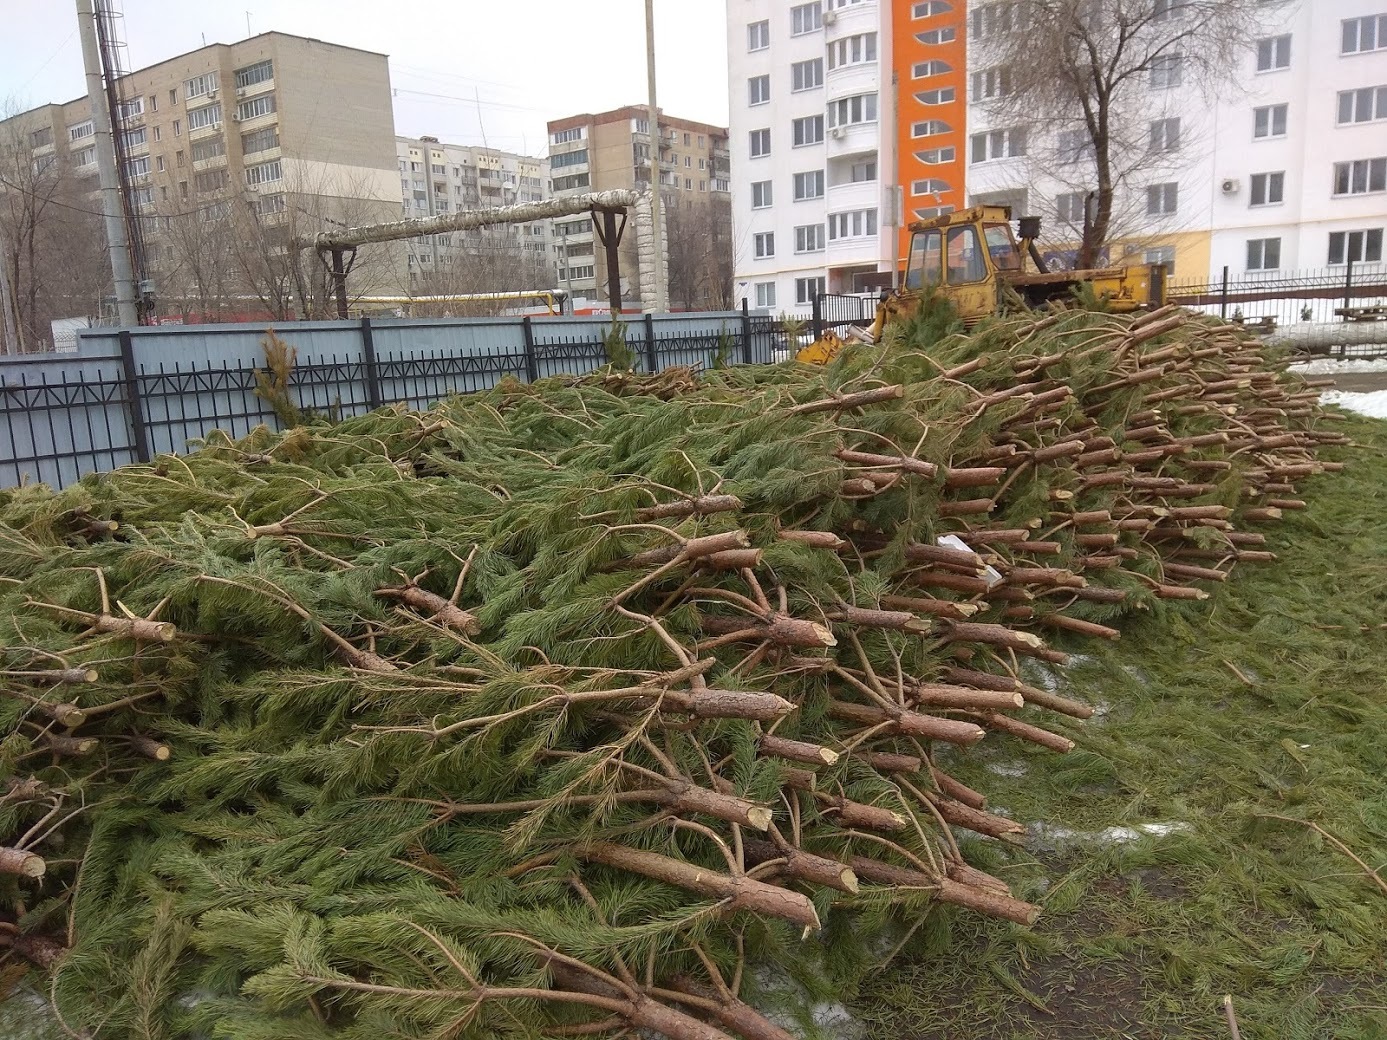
<point x="700" y="255"/>
<point x="1087" y="68"/>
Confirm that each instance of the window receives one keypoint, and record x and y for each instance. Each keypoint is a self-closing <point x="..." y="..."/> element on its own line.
<point x="1162" y="199"/>
<point x="860" y="108"/>
<point x="574" y="158"/>
<point x="1268" y="189"/>
<point x="1165" y="135"/>
<point x="130" y="109"/>
<point x="1263" y="254"/>
<point x="1364" y="34"/>
<point x="858" y="223"/>
<point x="1162" y="255"/>
<point x="1360" y="177"/>
<point x="761" y="195"/>
<point x="143" y="196"/>
<point x="255" y="107"/>
<point x="81" y="130"/>
<point x="572" y="134"/>
<point x="1357" y="246"/>
<point x="936" y="36"/>
<point x="1362" y="106"/>
<point x="809" y="238"/>
<point x="964" y="256"/>
<point x="183" y="189"/>
<point x="41" y="138"/>
<point x="1273" y="53"/>
<point x="722" y="184"/>
<point x="211" y="180"/>
<point x="929" y="128"/>
<point x="809" y="185"/>
<point x="253" y="74"/>
<point x="84" y="156"/>
<point x="760" y="143"/>
<point x="178" y="158"/>
<point x="941" y="96"/>
<point x="1269" y="121"/>
<point x="852" y="50"/>
<point x="764" y="244"/>
<point x="758" y="89"/>
<point x="937" y="156"/>
<point x="1165" y="10"/>
<point x="805" y="18"/>
<point x="863" y="172"/>
<point x="930" y="212"/>
<point x="765" y="294"/>
<point x="809" y="130"/>
<point x="1075" y="145"/>
<point x="925" y="69"/>
<point x="260" y="140"/>
<point x="438" y="169"/>
<point x="269" y="204"/>
<point x="991" y="83"/>
<point x="999" y="144"/>
<point x="806" y="75"/>
<point x="806" y="289"/>
<point x="158" y="136"/>
<point x="930" y="186"/>
<point x="177" y="128"/>
<point x="930" y="8"/>
<point x="758" y="36"/>
<point x="573" y="180"/>
<point x="209" y="148"/>
<point x="200" y="85"/>
<point x="264" y="173"/>
<point x="991" y="19"/>
<point x="135" y="138"/>
<point x="1069" y="208"/>
<point x="688" y="162"/>
<point x="1167" y="71"/>
<point x="200" y="117"/>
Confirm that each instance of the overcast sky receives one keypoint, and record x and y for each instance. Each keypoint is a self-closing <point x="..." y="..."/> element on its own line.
<point x="466" y="71"/>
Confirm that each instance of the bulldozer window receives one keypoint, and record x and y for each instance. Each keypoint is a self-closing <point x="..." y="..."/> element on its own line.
<point x="965" y="256"/>
<point x="1002" y="247"/>
<point x="924" y="266"/>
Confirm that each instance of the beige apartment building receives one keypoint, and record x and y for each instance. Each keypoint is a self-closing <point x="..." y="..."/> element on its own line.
<point x="612" y="150"/>
<point x="232" y="149"/>
<point x="438" y="178"/>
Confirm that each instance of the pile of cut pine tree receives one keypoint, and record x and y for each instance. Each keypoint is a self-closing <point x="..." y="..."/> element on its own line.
<point x="556" y="710"/>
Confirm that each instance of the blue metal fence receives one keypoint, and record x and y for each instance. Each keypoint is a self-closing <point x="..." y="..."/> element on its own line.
<point x="128" y="395"/>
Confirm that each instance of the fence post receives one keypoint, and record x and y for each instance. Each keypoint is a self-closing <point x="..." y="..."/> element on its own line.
<point x="132" y="397"/>
<point x="531" y="362"/>
<point x="817" y="321"/>
<point x="746" y="333"/>
<point x="368" y="357"/>
<point x="651" y="362"/>
<point x="1348" y="286"/>
<point x="1223" y="299"/>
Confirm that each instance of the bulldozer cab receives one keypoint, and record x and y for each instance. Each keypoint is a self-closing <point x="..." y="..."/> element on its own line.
<point x="962" y="254"/>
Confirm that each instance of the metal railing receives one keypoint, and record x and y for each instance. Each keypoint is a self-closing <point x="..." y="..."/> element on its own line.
<point x="1285" y="297"/>
<point x="832" y="311"/>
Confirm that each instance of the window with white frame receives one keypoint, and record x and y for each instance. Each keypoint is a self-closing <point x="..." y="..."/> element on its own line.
<point x="1368" y="33"/>
<point x="1074" y="145"/>
<point x="763" y="242"/>
<point x="200" y="85"/>
<point x="260" y="140"/>
<point x="807" y="75"/>
<point x="143" y="196"/>
<point x="760" y="143"/>
<point x="256" y="107"/>
<point x="209" y="148"/>
<point x="930" y="212"/>
<point x="260" y="72"/>
<point x="136" y="138"/>
<point x="937" y="156"/>
<point x="572" y="134"/>
<point x="809" y="238"/>
<point x="1162" y="199"/>
<point x="809" y="185"/>
<point x="991" y="83"/>
<point x="862" y="172"/>
<point x="1364" y="105"/>
<point x="1269" y="121"/>
<point x="765" y="294"/>
<point x="858" y="223"/>
<point x="130" y="109"/>
<point x="998" y="144"/>
<point x="1167" y="71"/>
<point x="852" y="50"/>
<point x="758" y="90"/>
<point x="807" y="130"/>
<point x="948" y="34"/>
<point x="1273" y="52"/>
<point x="138" y="167"/>
<point x="989" y="20"/>
<point x="806" y="289"/>
<point x="762" y="195"/>
<point x="200" y="117"/>
<point x="938" y="96"/>
<point x="1264" y="254"/>
<point x="1268" y="189"/>
<point x="930" y="9"/>
<point x="926" y="69"/>
<point x="805" y="18"/>
<point x="1165" y="10"/>
<point x="929" y="128"/>
<point x="1069" y="208"/>
<point x="84" y="156"/>
<point x="1165" y="135"/>
<point x="1161" y="255"/>
<point x="265" y="173"/>
<point x="211" y="180"/>
<point x="1360" y="247"/>
<point x="758" y="36"/>
<point x="930" y="186"/>
<point x="1360" y="176"/>
<point x="849" y="111"/>
<point x="577" y="157"/>
<point x="81" y="130"/>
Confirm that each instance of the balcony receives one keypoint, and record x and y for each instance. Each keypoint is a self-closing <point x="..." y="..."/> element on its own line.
<point x="250" y="91"/>
<point x="196" y="134"/>
<point x="851" y="20"/>
<point x="245" y="126"/>
<point x="201" y="100"/>
<point x="212" y="162"/>
<point x="264" y="155"/>
<point x="853" y="139"/>
<point x="854" y="195"/>
<point x="864" y="249"/>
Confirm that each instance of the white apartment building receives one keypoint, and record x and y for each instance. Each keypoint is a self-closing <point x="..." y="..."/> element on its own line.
<point x="1285" y="170"/>
<point x="813" y="195"/>
<point x="437" y="178"/>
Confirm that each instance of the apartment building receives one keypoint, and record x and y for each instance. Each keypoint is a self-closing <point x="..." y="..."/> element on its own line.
<point x="1285" y="169"/>
<point x="613" y="150"/>
<point x="438" y="178"/>
<point x="277" y="133"/>
<point x="848" y="121"/>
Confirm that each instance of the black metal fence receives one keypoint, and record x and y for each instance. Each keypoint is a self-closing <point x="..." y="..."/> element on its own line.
<point x="62" y="418"/>
<point x="832" y="311"/>
<point x="1286" y="297"/>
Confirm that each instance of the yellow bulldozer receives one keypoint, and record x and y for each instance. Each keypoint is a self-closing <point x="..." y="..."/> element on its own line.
<point x="974" y="260"/>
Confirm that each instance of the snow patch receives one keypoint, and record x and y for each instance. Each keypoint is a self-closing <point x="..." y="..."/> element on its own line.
<point x="1373" y="405"/>
<point x="1059" y="837"/>
<point x="1008" y="769"/>
<point x="1338" y="366"/>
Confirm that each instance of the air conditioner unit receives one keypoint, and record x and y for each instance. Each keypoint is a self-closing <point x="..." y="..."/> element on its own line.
<point x="217" y="125"/>
<point x="237" y="118"/>
<point x="830" y="17"/>
<point x="837" y="132"/>
<point x="240" y="92"/>
<point x="1231" y="186"/>
<point x="212" y="94"/>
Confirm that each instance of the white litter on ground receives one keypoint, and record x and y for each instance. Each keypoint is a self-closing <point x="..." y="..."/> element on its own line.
<point x="1338" y="366"/>
<point x="1373" y="405"/>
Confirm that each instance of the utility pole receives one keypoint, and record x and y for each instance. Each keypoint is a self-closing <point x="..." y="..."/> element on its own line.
<point x="111" y="207"/>
<point x="657" y="238"/>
